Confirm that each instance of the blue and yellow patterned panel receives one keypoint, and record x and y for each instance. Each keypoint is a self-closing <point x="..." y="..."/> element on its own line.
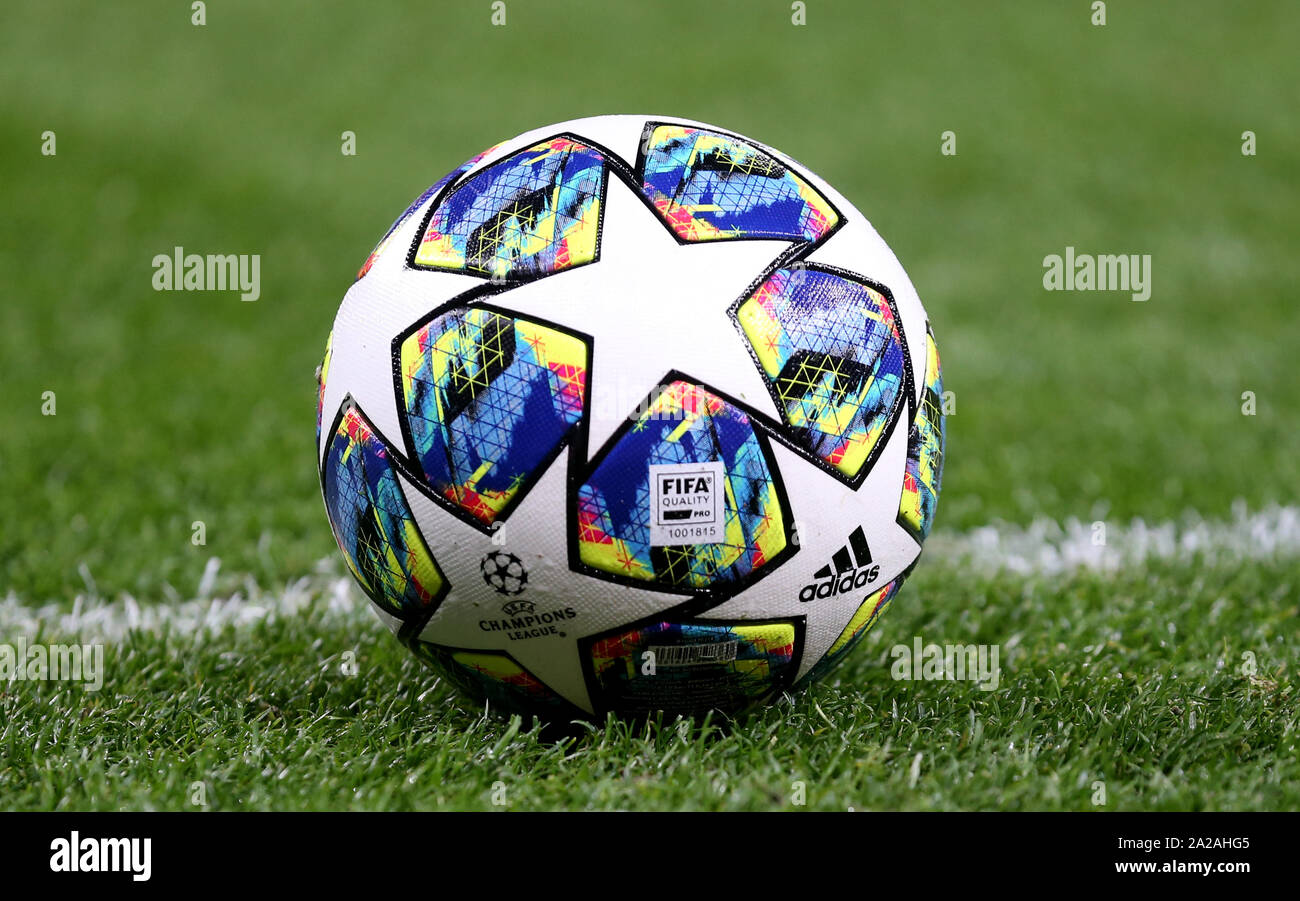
<point x="683" y="424"/>
<point x="925" y="446"/>
<point x="488" y="399"/>
<point x="373" y="523"/>
<point x="832" y="353"/>
<point x="416" y="204"/>
<point x="708" y="187"/>
<point x="494" y="677"/>
<point x="322" y="375"/>
<point x="534" y="213"/>
<point x="867" y="613"/>
<point x="697" y="667"/>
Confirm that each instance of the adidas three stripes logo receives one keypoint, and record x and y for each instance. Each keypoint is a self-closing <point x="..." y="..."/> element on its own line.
<point x="850" y="568"/>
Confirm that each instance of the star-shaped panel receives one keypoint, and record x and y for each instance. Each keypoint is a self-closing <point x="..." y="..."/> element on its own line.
<point x="652" y="305"/>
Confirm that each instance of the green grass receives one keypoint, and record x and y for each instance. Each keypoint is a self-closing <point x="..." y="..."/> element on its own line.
<point x="175" y="408"/>
<point x="1133" y="681"/>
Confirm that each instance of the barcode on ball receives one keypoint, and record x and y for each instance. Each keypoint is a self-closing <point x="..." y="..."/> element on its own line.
<point x="694" y="654"/>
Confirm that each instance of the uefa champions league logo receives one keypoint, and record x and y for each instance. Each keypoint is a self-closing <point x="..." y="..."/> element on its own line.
<point x="518" y="608"/>
<point x="504" y="572"/>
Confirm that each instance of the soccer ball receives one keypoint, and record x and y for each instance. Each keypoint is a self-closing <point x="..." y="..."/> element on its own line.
<point x="630" y="414"/>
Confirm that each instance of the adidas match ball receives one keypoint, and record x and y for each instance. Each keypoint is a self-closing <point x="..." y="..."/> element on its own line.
<point x="630" y="414"/>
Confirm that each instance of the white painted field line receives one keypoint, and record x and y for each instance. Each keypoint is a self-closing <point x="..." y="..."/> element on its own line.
<point x="1044" y="547"/>
<point x="95" y="619"/>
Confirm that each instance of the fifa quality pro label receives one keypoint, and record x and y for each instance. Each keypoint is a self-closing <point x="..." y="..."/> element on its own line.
<point x="687" y="503"/>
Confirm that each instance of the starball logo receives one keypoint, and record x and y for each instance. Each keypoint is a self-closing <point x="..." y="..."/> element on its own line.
<point x="841" y="575"/>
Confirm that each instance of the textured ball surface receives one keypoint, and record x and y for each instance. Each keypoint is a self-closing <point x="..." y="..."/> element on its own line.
<point x="630" y="414"/>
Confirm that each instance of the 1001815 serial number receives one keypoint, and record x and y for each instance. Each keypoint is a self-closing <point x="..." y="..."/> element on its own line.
<point x="687" y="532"/>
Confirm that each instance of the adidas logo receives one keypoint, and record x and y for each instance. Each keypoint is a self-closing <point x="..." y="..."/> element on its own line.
<point x="840" y="574"/>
